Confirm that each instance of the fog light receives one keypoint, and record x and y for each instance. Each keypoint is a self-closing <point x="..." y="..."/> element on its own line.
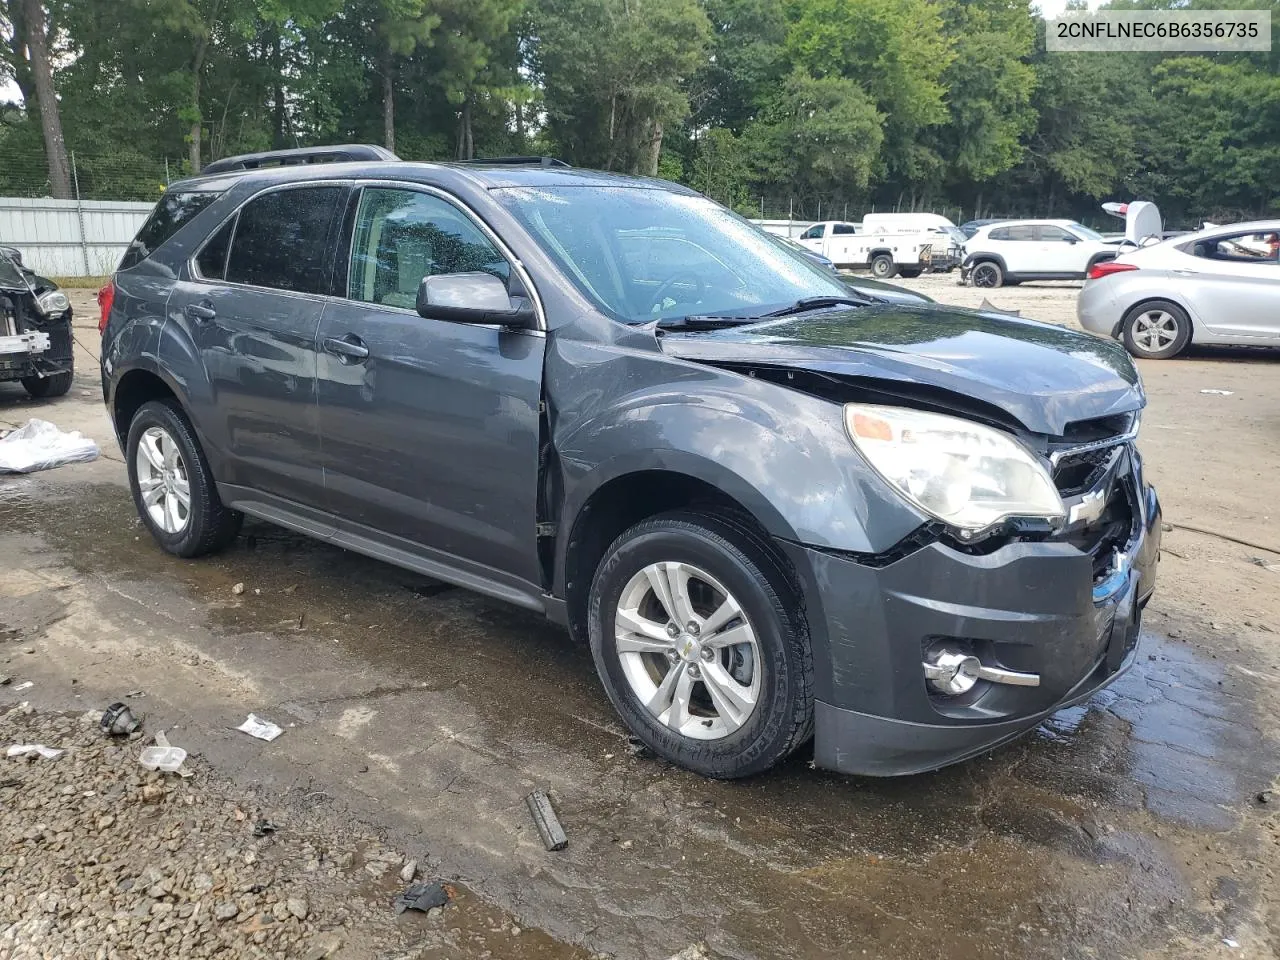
<point x="955" y="673"/>
<point x="952" y="673"/>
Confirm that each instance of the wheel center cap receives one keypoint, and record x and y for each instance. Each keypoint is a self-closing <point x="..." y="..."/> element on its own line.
<point x="688" y="647"/>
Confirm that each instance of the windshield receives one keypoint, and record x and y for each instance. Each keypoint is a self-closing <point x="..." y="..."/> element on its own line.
<point x="1082" y="230"/>
<point x="643" y="254"/>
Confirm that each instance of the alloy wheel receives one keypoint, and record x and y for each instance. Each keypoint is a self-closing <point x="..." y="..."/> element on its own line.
<point x="984" y="275"/>
<point x="688" y="650"/>
<point x="163" y="480"/>
<point x="1154" y="330"/>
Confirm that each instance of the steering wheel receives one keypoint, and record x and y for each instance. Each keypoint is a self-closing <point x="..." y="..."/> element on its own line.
<point x="669" y="284"/>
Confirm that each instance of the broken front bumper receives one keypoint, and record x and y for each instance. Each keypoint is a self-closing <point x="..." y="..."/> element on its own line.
<point x="1026" y="608"/>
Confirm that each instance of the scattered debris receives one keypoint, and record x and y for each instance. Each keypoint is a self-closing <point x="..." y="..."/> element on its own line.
<point x="1265" y="796"/>
<point x="164" y="756"/>
<point x="262" y="729"/>
<point x="134" y="695"/>
<point x="25" y="685"/>
<point x="544" y="818"/>
<point x="695" y="951"/>
<point x="118" y="720"/>
<point x="1233" y="944"/>
<point x="1217" y="393"/>
<point x="990" y="307"/>
<point x="238" y="589"/>
<point x="1265" y="564"/>
<point x="422" y="896"/>
<point x="40" y="445"/>
<point x="408" y="870"/>
<point x="263" y="827"/>
<point x="5" y="681"/>
<point x="26" y="749"/>
<point x="639" y="750"/>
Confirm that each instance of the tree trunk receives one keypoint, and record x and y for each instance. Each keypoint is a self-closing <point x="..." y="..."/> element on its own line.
<point x="278" y="139"/>
<point x="655" y="149"/>
<point x="520" y="125"/>
<point x="466" y="142"/>
<point x="55" y="148"/>
<point x="197" y="66"/>
<point x="18" y="56"/>
<point x="388" y="99"/>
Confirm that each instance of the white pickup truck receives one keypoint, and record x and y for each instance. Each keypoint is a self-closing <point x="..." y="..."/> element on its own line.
<point x="886" y="253"/>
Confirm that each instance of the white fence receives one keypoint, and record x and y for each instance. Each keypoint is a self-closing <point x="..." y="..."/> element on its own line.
<point x="783" y="228"/>
<point x="70" y="238"/>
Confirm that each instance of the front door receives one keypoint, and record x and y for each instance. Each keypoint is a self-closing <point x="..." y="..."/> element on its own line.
<point x="1233" y="284"/>
<point x="1061" y="251"/>
<point x="429" y="427"/>
<point x="252" y="308"/>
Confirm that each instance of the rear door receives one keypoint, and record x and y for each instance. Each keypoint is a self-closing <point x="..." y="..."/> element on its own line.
<point x="1232" y="283"/>
<point x="431" y="433"/>
<point x="1017" y="245"/>
<point x="252" y="306"/>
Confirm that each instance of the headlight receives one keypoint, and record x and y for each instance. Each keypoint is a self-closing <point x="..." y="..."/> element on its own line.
<point x="53" y="302"/>
<point x="966" y="475"/>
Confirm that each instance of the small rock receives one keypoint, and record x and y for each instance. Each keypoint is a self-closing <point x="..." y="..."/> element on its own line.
<point x="515" y="931"/>
<point x="298" y="907"/>
<point x="1166" y="527"/>
<point x="1265" y="796"/>
<point x="151" y="792"/>
<point x="626" y="845"/>
<point x="408" y="870"/>
<point x="238" y="589"/>
<point x="28" y="649"/>
<point x="105" y="822"/>
<point x="225" y="911"/>
<point x="322" y="946"/>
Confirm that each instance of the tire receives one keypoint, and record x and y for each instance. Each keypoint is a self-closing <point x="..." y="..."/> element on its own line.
<point x="883" y="267"/>
<point x="911" y="272"/>
<point x="46" y="388"/>
<point x="726" y="563"/>
<point x="205" y="525"/>
<point x="1156" y="330"/>
<point x="986" y="274"/>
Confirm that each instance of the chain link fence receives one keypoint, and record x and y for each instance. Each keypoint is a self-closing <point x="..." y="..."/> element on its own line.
<point x="118" y="176"/>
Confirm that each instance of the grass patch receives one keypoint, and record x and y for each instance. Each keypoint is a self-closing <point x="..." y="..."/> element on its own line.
<point x="91" y="283"/>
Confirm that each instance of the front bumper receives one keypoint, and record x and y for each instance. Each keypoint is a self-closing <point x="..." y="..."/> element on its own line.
<point x="1029" y="606"/>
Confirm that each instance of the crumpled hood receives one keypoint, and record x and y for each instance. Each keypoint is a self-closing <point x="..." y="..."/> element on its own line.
<point x="1043" y="375"/>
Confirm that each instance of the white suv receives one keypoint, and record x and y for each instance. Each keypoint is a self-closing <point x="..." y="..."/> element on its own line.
<point x="1015" y="250"/>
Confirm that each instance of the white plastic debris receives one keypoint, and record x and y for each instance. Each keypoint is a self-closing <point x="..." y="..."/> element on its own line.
<point x="1233" y="944"/>
<point x="1217" y="393"/>
<point x="164" y="756"/>
<point x="26" y="749"/>
<point x="262" y="729"/>
<point x="40" y="445"/>
<point x="25" y="685"/>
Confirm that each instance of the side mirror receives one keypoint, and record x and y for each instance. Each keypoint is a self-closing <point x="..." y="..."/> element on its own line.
<point x="473" y="298"/>
<point x="1071" y="238"/>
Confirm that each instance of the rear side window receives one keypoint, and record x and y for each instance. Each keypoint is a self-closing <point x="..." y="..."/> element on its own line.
<point x="814" y="232"/>
<point x="843" y="229"/>
<point x="281" y="240"/>
<point x="999" y="233"/>
<point x="172" y="213"/>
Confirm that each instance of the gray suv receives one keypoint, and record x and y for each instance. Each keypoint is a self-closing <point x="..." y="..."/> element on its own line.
<point x="775" y="508"/>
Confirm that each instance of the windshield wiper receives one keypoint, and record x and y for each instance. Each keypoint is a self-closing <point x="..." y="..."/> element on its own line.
<point x="698" y="321"/>
<point x="818" y="303"/>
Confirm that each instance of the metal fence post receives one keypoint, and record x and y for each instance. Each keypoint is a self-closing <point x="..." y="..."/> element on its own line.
<point x="84" y="240"/>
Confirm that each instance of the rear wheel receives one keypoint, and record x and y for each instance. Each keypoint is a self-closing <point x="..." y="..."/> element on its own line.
<point x="1156" y="330"/>
<point x="911" y="272"/>
<point x="986" y="273"/>
<point x="172" y="485"/>
<point x="883" y="267"/>
<point x="699" y="641"/>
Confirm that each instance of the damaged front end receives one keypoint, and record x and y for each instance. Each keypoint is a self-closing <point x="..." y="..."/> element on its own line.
<point x="35" y="329"/>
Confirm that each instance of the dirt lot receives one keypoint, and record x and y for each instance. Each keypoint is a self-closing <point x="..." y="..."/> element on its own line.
<point x="418" y="716"/>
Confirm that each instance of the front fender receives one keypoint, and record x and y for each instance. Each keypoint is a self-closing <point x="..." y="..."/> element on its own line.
<point x="782" y="454"/>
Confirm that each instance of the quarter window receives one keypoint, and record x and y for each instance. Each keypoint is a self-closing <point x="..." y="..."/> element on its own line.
<point x="211" y="261"/>
<point x="171" y="214"/>
<point x="281" y="238"/>
<point x="402" y="236"/>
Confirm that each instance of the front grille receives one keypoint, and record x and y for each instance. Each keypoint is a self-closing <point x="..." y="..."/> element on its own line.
<point x="1078" y="472"/>
<point x="1091" y="431"/>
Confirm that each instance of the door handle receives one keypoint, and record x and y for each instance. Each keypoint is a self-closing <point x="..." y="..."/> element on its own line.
<point x="1186" y="273"/>
<point x="348" y="349"/>
<point x="200" y="312"/>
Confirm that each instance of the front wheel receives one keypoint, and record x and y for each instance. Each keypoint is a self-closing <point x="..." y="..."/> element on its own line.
<point x="986" y="274"/>
<point x="912" y="272"/>
<point x="172" y="485"/>
<point x="699" y="641"/>
<point x="55" y="385"/>
<point x="1156" y="330"/>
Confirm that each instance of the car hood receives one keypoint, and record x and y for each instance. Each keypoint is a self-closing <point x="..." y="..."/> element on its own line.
<point x="1042" y="375"/>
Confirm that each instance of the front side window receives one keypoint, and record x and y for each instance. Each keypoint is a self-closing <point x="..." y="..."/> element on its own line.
<point x="172" y="213"/>
<point x="402" y="236"/>
<point x="642" y="253"/>
<point x="281" y="237"/>
<point x="814" y="232"/>
<point x="1054" y="234"/>
<point x="1080" y="230"/>
<point x="1260" y="248"/>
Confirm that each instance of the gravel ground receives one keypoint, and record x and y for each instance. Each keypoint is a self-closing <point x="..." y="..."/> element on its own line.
<point x="104" y="859"/>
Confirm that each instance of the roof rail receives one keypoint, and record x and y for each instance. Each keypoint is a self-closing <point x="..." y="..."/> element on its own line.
<point x="518" y="161"/>
<point x="302" y="155"/>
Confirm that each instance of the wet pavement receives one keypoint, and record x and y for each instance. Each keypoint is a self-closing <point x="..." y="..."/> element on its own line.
<point x="1119" y="827"/>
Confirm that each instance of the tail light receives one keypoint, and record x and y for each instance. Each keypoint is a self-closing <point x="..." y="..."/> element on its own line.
<point x="1107" y="267"/>
<point x="106" y="297"/>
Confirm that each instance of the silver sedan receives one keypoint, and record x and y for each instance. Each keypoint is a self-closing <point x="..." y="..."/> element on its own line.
<point x="1219" y="285"/>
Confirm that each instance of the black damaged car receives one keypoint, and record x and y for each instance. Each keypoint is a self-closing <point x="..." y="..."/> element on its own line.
<point x="775" y="508"/>
<point x="35" y="329"/>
